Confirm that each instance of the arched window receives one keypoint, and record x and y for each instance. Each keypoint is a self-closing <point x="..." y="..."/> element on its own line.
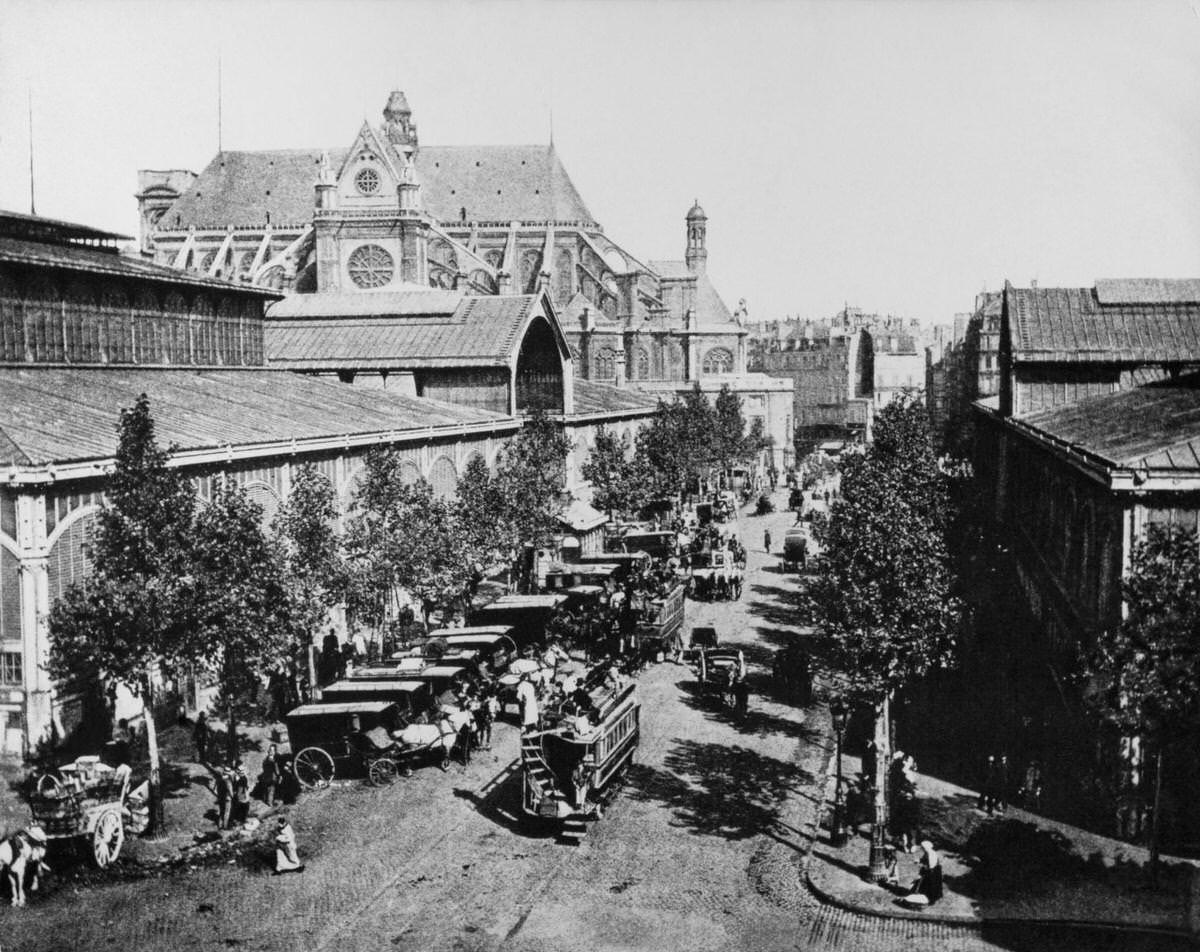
<point x="564" y="272"/>
<point x="443" y="477"/>
<point x="265" y="497"/>
<point x="410" y="472"/>
<point x="641" y="363"/>
<point x="606" y="364"/>
<point x="530" y="261"/>
<point x="495" y="258"/>
<point x="69" y="560"/>
<point x="719" y="360"/>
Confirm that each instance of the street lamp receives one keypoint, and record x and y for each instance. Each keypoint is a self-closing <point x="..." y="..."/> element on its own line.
<point x="840" y="714"/>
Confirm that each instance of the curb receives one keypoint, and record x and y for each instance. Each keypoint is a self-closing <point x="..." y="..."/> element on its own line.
<point x="973" y="924"/>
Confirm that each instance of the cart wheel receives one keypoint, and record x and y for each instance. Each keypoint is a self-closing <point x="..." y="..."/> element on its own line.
<point x="49" y="785"/>
<point x="107" y="838"/>
<point x="314" y="768"/>
<point x="382" y="772"/>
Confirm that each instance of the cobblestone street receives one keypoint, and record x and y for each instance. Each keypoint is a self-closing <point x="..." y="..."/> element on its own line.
<point x="701" y="850"/>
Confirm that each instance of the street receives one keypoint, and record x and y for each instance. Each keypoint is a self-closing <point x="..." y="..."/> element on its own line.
<point x="701" y="849"/>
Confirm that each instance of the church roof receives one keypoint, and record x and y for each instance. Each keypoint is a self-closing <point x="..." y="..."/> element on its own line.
<point x="395" y="330"/>
<point x="676" y="270"/>
<point x="592" y="397"/>
<point x="1124" y="321"/>
<point x="55" y="415"/>
<point x="492" y="182"/>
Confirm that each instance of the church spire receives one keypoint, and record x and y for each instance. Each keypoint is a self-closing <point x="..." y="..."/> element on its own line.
<point x="697" y="227"/>
<point x="399" y="128"/>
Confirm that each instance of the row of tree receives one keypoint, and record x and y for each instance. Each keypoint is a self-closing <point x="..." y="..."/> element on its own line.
<point x="688" y="441"/>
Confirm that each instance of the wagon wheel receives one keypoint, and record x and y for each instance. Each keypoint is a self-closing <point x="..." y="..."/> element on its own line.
<point x="107" y="838"/>
<point x="382" y="772"/>
<point x="50" y="785"/>
<point x="314" y="768"/>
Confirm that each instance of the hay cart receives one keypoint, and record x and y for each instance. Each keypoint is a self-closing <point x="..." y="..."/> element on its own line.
<point x="83" y="804"/>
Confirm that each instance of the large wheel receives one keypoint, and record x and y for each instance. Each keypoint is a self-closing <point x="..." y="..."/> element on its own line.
<point x="314" y="768"/>
<point x="382" y="772"/>
<point x="107" y="838"/>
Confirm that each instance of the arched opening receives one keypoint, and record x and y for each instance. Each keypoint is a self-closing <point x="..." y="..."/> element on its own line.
<point x="539" y="370"/>
<point x="443" y="477"/>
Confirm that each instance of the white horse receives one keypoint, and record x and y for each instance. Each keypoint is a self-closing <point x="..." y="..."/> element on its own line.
<point x="443" y="734"/>
<point x="20" y="854"/>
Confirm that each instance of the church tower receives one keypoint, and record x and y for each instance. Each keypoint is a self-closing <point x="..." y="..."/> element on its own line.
<point x="697" y="224"/>
<point x="399" y="128"/>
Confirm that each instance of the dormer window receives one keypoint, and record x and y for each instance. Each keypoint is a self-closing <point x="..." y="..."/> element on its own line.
<point x="367" y="181"/>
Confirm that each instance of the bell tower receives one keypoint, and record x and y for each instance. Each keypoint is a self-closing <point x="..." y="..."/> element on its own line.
<point x="697" y="226"/>
<point x="399" y="128"/>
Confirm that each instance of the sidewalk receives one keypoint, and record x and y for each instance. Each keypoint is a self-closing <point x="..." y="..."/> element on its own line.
<point x="1012" y="867"/>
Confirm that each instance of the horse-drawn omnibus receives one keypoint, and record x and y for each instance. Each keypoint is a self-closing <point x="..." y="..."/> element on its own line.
<point x="527" y="614"/>
<point x="663" y="620"/>
<point x="572" y="769"/>
<point x="412" y="698"/>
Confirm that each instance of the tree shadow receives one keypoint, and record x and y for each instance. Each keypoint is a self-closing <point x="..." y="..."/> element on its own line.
<point x="719" y="790"/>
<point x="757" y="722"/>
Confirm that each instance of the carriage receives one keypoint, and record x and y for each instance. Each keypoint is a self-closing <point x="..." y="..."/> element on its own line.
<point x="527" y="614"/>
<point x="412" y="698"/>
<point x="795" y="550"/>
<point x="344" y="738"/>
<point x="85" y="803"/>
<point x="663" y="620"/>
<point x="494" y="643"/>
<point x="718" y="669"/>
<point x="572" y="769"/>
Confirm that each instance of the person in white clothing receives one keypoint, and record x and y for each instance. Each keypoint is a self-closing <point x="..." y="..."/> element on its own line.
<point x="527" y="698"/>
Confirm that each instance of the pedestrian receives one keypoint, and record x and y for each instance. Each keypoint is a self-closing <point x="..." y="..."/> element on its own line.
<point x="527" y="699"/>
<point x="200" y="737"/>
<point x="1002" y="782"/>
<point x="270" y="776"/>
<point x="987" y="794"/>
<point x="223" y="791"/>
<point x="741" y="696"/>
<point x="767" y="540"/>
<point x="240" y="809"/>
<point x="287" y="859"/>
<point x="929" y="882"/>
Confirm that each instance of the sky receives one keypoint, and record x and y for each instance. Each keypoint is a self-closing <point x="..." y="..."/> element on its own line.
<point x="896" y="156"/>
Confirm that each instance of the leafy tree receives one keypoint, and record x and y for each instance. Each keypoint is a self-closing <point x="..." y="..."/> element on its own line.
<point x="730" y="445"/>
<point x="617" y="477"/>
<point x="882" y="600"/>
<point x="478" y="509"/>
<point x="1145" y="673"/>
<point x="245" y="613"/>
<point x="306" y="527"/>
<point x="531" y="482"/>
<point x="132" y="613"/>
<point x="675" y="450"/>
<point x="403" y="540"/>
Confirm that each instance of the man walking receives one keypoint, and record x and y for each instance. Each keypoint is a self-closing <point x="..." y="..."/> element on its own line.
<point x="200" y="737"/>
<point x="767" y="541"/>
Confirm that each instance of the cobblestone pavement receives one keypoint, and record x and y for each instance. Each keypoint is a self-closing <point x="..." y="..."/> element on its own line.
<point x="700" y="851"/>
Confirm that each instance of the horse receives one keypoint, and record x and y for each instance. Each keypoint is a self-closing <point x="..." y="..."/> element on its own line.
<point x="443" y="734"/>
<point x="23" y="852"/>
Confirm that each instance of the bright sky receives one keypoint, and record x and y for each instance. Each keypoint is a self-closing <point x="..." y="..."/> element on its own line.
<point x="898" y="156"/>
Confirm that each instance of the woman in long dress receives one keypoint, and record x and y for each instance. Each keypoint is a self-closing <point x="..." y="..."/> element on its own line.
<point x="929" y="884"/>
<point x="287" y="860"/>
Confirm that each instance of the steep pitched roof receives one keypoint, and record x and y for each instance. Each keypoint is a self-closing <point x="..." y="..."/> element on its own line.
<point x="1116" y="322"/>
<point x="492" y="182"/>
<point x="1157" y="425"/>
<point x="592" y="397"/>
<point x="60" y="415"/>
<point x="398" y="330"/>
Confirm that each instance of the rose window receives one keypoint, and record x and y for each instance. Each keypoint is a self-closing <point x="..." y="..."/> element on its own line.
<point x="367" y="181"/>
<point x="371" y="267"/>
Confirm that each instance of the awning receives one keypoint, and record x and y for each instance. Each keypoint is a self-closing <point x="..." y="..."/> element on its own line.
<point x="580" y="517"/>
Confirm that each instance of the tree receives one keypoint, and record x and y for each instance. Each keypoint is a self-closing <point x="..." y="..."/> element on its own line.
<point x="617" y="477"/>
<point x="306" y="528"/>
<point x="675" y="450"/>
<point x="1145" y="672"/>
<point x="478" y="509"/>
<point x="402" y="540"/>
<point x="131" y="615"/>
<point x="531" y="482"/>
<point x="730" y="445"/>
<point x="245" y="612"/>
<point x="882" y="601"/>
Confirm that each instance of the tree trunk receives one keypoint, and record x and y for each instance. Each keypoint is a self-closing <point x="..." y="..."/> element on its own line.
<point x="880" y="859"/>
<point x="158" y="824"/>
<point x="231" y="744"/>
<point x="1155" y="828"/>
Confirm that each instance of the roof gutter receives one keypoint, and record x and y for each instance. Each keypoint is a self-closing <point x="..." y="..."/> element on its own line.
<point x="51" y="473"/>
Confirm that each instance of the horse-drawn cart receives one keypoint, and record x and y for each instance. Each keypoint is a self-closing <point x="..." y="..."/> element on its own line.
<point x="84" y="802"/>
<point x="349" y="737"/>
<point x="719" y="669"/>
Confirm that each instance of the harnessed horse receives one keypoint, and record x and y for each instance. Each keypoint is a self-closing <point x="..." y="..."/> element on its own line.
<point x="443" y="734"/>
<point x="23" y="852"/>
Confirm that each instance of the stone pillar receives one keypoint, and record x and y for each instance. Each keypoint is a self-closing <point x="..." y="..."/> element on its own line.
<point x="35" y="606"/>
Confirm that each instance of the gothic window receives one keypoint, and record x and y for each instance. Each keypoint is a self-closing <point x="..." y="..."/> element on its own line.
<point x="247" y="262"/>
<point x="273" y="278"/>
<point x="367" y="181"/>
<point x="443" y="478"/>
<point x="641" y="363"/>
<point x="207" y="261"/>
<point x="719" y="360"/>
<point x="371" y="267"/>
<point x="441" y="252"/>
<point x="606" y="364"/>
<point x="529" y="270"/>
<point x="564" y="270"/>
<point x="495" y="258"/>
<point x="482" y="282"/>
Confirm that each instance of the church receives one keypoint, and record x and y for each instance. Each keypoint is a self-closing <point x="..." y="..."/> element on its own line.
<point x="380" y="230"/>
